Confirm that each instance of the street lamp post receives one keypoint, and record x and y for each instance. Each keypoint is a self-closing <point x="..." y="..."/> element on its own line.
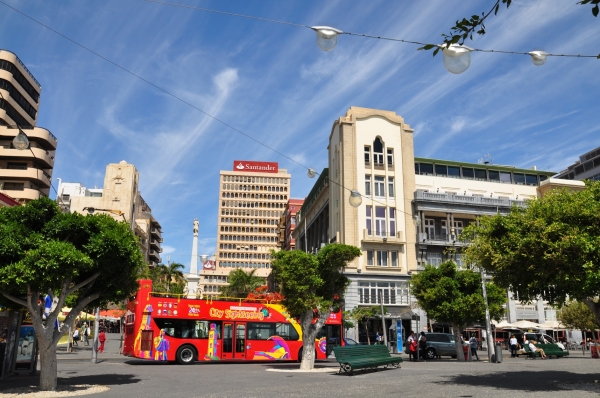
<point x="488" y="323"/>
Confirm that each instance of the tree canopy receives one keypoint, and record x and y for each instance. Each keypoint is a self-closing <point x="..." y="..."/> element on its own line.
<point x="168" y="278"/>
<point x="550" y="249"/>
<point x="454" y="296"/>
<point x="312" y="286"/>
<point x="242" y="283"/>
<point x="93" y="259"/>
<point x="577" y="315"/>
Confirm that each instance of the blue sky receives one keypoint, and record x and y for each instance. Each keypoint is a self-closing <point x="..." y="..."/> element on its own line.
<point x="272" y="82"/>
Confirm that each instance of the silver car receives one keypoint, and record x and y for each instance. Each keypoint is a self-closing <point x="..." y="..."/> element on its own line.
<point x="440" y="344"/>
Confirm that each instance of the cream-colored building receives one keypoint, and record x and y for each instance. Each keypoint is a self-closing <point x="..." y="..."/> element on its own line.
<point x="25" y="174"/>
<point x="121" y="199"/>
<point x="251" y="202"/>
<point x="412" y="211"/>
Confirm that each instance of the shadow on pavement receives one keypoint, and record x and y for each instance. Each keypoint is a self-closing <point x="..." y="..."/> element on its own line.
<point x="529" y="381"/>
<point x="104" y="379"/>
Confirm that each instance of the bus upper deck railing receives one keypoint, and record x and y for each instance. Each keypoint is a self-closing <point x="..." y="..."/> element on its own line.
<point x="210" y="298"/>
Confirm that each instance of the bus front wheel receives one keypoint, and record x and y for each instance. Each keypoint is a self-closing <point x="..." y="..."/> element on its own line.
<point x="186" y="355"/>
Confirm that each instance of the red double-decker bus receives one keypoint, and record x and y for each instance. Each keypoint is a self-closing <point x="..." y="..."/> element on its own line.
<point x="163" y="328"/>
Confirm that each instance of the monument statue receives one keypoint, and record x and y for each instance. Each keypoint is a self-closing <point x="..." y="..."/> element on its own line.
<point x="196" y="226"/>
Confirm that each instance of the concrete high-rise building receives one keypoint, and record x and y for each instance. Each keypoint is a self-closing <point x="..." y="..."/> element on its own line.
<point x="120" y="199"/>
<point x="287" y="224"/>
<point x="25" y="173"/>
<point x="586" y="168"/>
<point x="252" y="198"/>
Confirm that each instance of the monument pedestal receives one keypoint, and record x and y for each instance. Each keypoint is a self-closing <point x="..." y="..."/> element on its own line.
<point x="192" y="285"/>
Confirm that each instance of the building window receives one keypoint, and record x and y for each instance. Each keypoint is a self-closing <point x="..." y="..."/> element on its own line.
<point x="429" y="228"/>
<point x="441" y="170"/>
<point x="368" y="184"/>
<point x="390" y="293"/>
<point x="391" y="186"/>
<point x="480" y="174"/>
<point x="380" y="221"/>
<point x="382" y="258"/>
<point x="444" y="229"/>
<point x="369" y="257"/>
<point x="453" y="171"/>
<point x="367" y="154"/>
<point x="390" y="157"/>
<point x="14" y="186"/>
<point x="394" y="255"/>
<point x="458" y="227"/>
<point x="378" y="152"/>
<point x="369" y="220"/>
<point x="434" y="258"/>
<point x="379" y="186"/>
<point x="392" y="221"/>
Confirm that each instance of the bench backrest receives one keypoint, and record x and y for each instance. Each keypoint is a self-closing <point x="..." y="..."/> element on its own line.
<point x="377" y="350"/>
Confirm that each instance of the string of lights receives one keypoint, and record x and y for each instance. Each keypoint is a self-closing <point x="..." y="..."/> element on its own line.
<point x="457" y="57"/>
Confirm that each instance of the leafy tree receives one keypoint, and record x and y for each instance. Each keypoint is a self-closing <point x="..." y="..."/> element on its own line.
<point x="577" y="315"/>
<point x="94" y="259"/>
<point x="173" y="276"/>
<point x="348" y="324"/>
<point x="455" y="296"/>
<point x="363" y="314"/>
<point x="241" y="283"/>
<point x="464" y="29"/>
<point x="312" y="286"/>
<point x="550" y="249"/>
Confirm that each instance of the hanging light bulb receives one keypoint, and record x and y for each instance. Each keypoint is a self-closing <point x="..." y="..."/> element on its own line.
<point x="457" y="58"/>
<point x="538" y="57"/>
<point x="355" y="198"/>
<point x="21" y="141"/>
<point x="326" y="37"/>
<point x="311" y="172"/>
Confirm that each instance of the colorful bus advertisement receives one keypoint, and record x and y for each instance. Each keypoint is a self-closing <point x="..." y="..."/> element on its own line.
<point x="162" y="328"/>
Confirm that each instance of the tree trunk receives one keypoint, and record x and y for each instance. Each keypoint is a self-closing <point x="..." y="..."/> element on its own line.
<point x="460" y="355"/>
<point x="309" y="333"/>
<point x="48" y="365"/>
<point x="367" y="330"/>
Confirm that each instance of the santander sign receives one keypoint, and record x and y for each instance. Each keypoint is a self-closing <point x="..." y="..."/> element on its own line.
<point x="250" y="166"/>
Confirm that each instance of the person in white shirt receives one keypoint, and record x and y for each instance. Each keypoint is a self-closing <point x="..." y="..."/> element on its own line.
<point x="513" y="346"/>
<point x="533" y="348"/>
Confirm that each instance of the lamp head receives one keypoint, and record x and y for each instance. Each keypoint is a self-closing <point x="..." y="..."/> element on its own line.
<point x="538" y="57"/>
<point x="21" y="142"/>
<point x="326" y="37"/>
<point x="416" y="220"/>
<point x="90" y="210"/>
<point x="457" y="58"/>
<point x="311" y="172"/>
<point x="355" y="198"/>
<point x="204" y="258"/>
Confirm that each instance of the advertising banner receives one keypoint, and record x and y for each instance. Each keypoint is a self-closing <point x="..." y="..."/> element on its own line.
<point x="251" y="166"/>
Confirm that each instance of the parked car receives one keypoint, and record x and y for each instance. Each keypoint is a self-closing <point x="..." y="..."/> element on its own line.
<point x="348" y="341"/>
<point x="439" y="344"/>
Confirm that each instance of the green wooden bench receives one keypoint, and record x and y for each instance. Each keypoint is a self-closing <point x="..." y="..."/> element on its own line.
<point x="549" y="349"/>
<point x="352" y="358"/>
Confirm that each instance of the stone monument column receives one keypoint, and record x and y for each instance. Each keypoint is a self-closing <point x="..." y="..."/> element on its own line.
<point x="192" y="277"/>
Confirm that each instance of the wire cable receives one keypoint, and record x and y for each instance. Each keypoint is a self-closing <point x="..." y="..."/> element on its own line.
<point x="357" y="34"/>
<point x="188" y="103"/>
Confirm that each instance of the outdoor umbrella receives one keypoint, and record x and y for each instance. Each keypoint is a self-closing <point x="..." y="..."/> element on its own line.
<point x="504" y="325"/>
<point x="527" y="325"/>
<point x="553" y="325"/>
<point x="83" y="315"/>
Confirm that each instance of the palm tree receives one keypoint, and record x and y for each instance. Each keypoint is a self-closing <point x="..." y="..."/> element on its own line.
<point x="242" y="283"/>
<point x="170" y="274"/>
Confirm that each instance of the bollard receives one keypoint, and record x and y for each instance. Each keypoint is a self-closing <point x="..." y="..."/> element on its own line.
<point x="498" y="353"/>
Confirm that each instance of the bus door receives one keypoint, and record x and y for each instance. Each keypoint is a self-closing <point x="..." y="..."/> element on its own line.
<point x="234" y="340"/>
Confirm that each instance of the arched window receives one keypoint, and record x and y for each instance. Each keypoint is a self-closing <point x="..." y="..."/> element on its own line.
<point x="378" y="151"/>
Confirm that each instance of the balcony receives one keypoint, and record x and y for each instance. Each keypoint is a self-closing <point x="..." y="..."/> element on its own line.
<point x="43" y="158"/>
<point x="156" y="244"/>
<point x="156" y="232"/>
<point x="25" y="194"/>
<point x="153" y="254"/>
<point x="26" y="173"/>
<point x="440" y="240"/>
<point x="44" y="138"/>
<point x="447" y="202"/>
<point x="371" y="236"/>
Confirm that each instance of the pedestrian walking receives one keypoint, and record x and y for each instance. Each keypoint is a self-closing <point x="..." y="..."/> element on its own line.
<point x="411" y="342"/>
<point x="101" y="339"/>
<point x="75" y="336"/>
<point x="513" y="346"/>
<point x="473" y="342"/>
<point x="422" y="345"/>
<point x="86" y="335"/>
<point x="378" y="338"/>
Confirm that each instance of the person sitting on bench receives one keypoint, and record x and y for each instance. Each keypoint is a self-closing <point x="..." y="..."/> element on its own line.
<point x="534" y="349"/>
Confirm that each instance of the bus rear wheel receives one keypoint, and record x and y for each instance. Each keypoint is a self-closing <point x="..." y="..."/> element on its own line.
<point x="186" y="355"/>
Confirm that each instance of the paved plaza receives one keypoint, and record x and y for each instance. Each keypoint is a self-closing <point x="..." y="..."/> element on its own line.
<point x="514" y="377"/>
